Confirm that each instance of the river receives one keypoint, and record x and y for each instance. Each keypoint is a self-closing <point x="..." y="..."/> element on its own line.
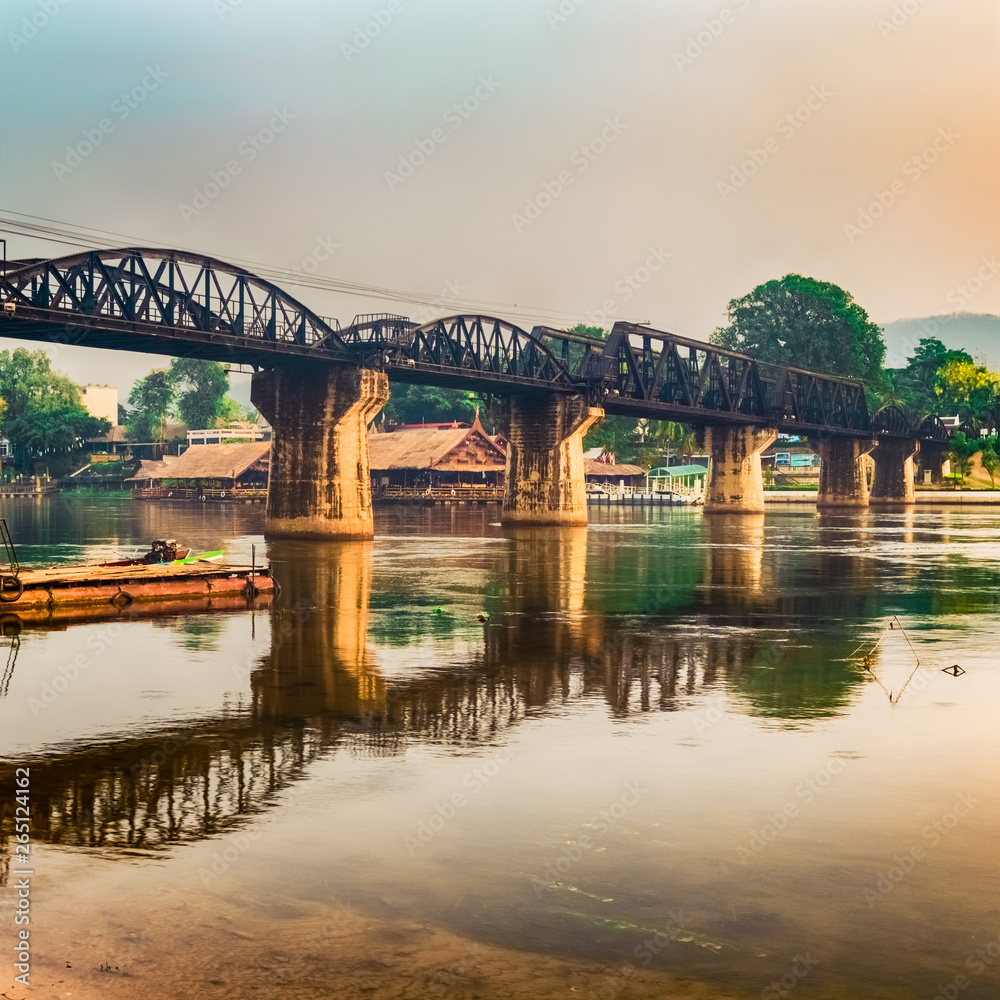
<point x="668" y="755"/>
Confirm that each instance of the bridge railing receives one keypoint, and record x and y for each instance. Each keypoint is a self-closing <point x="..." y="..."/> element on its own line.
<point x="379" y="330"/>
<point x="440" y="493"/>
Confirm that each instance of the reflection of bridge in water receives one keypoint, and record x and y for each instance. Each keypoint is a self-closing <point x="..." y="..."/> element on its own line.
<point x="716" y="621"/>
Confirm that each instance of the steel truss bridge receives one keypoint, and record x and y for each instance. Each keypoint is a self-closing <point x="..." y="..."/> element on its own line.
<point x="187" y="305"/>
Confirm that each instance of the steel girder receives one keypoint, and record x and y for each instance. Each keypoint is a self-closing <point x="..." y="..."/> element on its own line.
<point x="177" y="303"/>
<point x="932" y="429"/>
<point x="127" y="297"/>
<point x="890" y="421"/>
<point x="673" y="378"/>
<point x="825" y="402"/>
<point x="481" y="352"/>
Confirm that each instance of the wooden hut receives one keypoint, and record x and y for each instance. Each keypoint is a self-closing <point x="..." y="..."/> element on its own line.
<point x="209" y="471"/>
<point x="434" y="457"/>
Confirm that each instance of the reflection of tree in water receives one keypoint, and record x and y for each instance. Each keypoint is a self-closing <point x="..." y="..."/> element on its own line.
<point x="785" y="680"/>
<point x="628" y="575"/>
<point x="941" y="591"/>
<point x="401" y="623"/>
<point x="197" y="632"/>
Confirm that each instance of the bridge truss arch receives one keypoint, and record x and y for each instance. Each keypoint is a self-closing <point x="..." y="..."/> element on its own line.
<point x="459" y="350"/>
<point x="932" y="428"/>
<point x="890" y="421"/>
<point x="162" y="301"/>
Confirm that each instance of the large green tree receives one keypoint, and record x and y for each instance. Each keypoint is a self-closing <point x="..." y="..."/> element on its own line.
<point x="200" y="387"/>
<point x="617" y="434"/>
<point x="44" y="414"/>
<point x="150" y="401"/>
<point x="914" y="388"/>
<point x="989" y="459"/>
<point x="640" y="442"/>
<point x="805" y="323"/>
<point x="415" y="404"/>
<point x="229" y="410"/>
<point x="960" y="452"/>
<point x="969" y="389"/>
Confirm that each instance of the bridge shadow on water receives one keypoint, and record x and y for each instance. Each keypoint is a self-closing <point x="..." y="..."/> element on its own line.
<point x="570" y="619"/>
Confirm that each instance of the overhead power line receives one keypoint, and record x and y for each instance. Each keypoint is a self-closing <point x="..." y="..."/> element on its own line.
<point x="87" y="237"/>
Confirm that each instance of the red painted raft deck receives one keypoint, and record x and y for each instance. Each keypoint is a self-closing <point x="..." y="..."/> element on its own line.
<point x="63" y="588"/>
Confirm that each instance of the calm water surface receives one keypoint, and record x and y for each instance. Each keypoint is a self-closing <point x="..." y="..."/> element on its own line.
<point x="663" y="743"/>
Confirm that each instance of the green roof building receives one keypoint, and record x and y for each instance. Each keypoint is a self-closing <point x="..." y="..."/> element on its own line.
<point x="678" y="478"/>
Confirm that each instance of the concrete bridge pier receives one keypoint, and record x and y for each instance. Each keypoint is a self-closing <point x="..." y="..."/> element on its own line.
<point x="735" y="482"/>
<point x="544" y="481"/>
<point x="843" y="472"/>
<point x="319" y="484"/>
<point x="893" y="482"/>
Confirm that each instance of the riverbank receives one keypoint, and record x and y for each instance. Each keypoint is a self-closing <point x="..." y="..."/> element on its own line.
<point x="144" y="946"/>
<point x="935" y="497"/>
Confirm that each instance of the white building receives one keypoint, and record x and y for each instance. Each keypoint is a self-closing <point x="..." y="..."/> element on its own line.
<point x="235" y="431"/>
<point x="101" y="401"/>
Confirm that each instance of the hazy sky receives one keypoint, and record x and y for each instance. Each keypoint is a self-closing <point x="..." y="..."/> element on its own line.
<point x="573" y="160"/>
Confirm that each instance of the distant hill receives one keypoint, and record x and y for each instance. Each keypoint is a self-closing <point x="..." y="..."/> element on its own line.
<point x="977" y="334"/>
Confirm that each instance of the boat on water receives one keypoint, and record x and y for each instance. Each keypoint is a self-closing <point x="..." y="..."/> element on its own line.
<point x="168" y="572"/>
<point x="167" y="552"/>
<point x="52" y="592"/>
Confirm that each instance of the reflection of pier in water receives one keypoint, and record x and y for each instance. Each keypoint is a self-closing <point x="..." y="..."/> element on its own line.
<point x="544" y="646"/>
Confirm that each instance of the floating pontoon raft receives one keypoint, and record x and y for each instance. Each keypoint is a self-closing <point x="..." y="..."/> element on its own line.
<point x="121" y="586"/>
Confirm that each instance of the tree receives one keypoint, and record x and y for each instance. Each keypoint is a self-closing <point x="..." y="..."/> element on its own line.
<point x="960" y="451"/>
<point x="989" y="459"/>
<point x="671" y="436"/>
<point x="150" y="401"/>
<point x="916" y="383"/>
<point x="44" y="411"/>
<point x="969" y="388"/>
<point x="415" y="404"/>
<point x="200" y="387"/>
<point x="616" y="434"/>
<point x="640" y="442"/>
<point x="805" y="323"/>
<point x="594" y="332"/>
<point x="229" y="410"/>
<point x="889" y="392"/>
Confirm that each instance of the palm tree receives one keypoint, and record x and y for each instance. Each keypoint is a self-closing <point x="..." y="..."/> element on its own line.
<point x="889" y="393"/>
<point x="667" y="434"/>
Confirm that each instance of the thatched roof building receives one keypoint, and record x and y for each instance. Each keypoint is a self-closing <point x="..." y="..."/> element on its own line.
<point x="224" y="465"/>
<point x="600" y="472"/>
<point x="436" y="454"/>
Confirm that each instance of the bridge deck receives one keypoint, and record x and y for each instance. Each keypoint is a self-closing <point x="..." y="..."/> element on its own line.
<point x="182" y="304"/>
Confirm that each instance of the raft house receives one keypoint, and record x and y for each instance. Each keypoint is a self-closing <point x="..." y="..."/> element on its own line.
<point x="602" y="470"/>
<point x="206" y="472"/>
<point x="437" y="463"/>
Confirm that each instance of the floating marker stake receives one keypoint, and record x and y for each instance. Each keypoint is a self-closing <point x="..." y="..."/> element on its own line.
<point x="955" y="670"/>
<point x="868" y="659"/>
